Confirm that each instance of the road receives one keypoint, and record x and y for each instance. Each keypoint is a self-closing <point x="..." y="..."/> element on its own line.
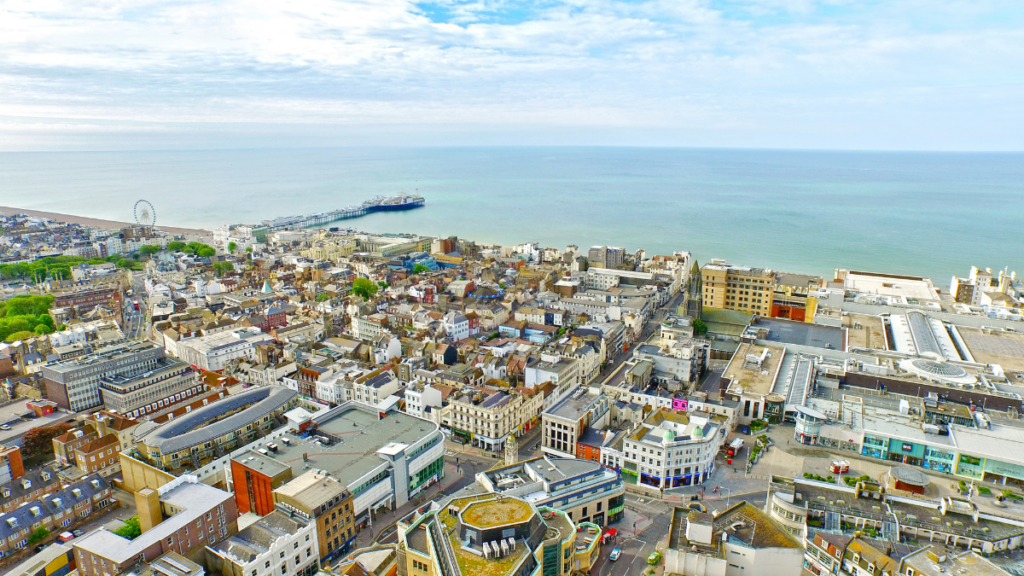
<point x="613" y="372"/>
<point x="10" y="415"/>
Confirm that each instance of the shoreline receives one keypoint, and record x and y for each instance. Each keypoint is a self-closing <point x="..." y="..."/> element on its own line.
<point x="98" y="222"/>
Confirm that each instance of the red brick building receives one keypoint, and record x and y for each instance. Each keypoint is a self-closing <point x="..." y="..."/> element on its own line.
<point x="255" y="478"/>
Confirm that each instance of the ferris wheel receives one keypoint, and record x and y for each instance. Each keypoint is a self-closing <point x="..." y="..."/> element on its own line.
<point x="145" y="214"/>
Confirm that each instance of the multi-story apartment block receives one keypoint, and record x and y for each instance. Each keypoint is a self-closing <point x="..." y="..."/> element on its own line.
<point x="75" y="384"/>
<point x="585" y="490"/>
<point x="486" y="418"/>
<point x="84" y="298"/>
<point x="67" y="444"/>
<point x="369" y="327"/>
<point x="186" y="442"/>
<point x="606" y="256"/>
<point x="673" y="449"/>
<point x="282" y="543"/>
<point x="169" y="382"/>
<point x="564" y="422"/>
<point x="183" y="516"/>
<point x="737" y="288"/>
<point x="100" y="456"/>
<point x="562" y="372"/>
<point x="325" y="499"/>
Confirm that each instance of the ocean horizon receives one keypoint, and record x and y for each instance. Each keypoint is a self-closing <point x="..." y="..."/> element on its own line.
<point x="923" y="213"/>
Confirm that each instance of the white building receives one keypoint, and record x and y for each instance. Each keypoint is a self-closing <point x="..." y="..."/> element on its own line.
<point x="421" y="400"/>
<point x="672" y="449"/>
<point x="456" y="326"/>
<point x="216" y="351"/>
<point x="282" y="542"/>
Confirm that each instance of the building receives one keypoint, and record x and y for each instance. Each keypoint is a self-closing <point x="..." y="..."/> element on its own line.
<point x="11" y="466"/>
<point x="740" y="541"/>
<point x="216" y="351"/>
<point x="75" y="384"/>
<point x="281" y="543"/>
<point x="497" y="536"/>
<point x="751" y="378"/>
<point x="456" y="326"/>
<point x="29" y="486"/>
<point x="562" y="372"/>
<point x="486" y="417"/>
<point x="585" y="490"/>
<point x="182" y="516"/>
<point x="84" y="298"/>
<point x="740" y="288"/>
<point x="369" y="327"/>
<point x="375" y="387"/>
<point x="169" y="382"/>
<point x="100" y="456"/>
<point x="170" y="564"/>
<point x="793" y="299"/>
<point x="382" y="457"/>
<point x="189" y="441"/>
<point x="824" y="552"/>
<point x="327" y="501"/>
<point x="935" y="561"/>
<point x="565" y="422"/>
<point x="55" y="511"/>
<point x="54" y="560"/>
<point x="67" y="444"/>
<point x="606" y="256"/>
<point x="867" y="507"/>
<point x="861" y="558"/>
<point x="672" y="449"/>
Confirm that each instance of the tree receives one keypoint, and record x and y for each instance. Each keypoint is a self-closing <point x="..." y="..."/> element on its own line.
<point x="364" y="287"/>
<point x="176" y="246"/>
<point x="206" y="252"/>
<point x="222" y="268"/>
<point x="131" y="529"/>
<point x="699" y="327"/>
<point x="37" y="535"/>
<point x="383" y="285"/>
<point x="323" y="296"/>
<point x="231" y="247"/>
<point x="39" y="440"/>
<point x="149" y="249"/>
<point x="20" y="335"/>
<point x="420" y="269"/>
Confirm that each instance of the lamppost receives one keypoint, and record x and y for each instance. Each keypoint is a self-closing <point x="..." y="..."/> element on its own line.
<point x="728" y="498"/>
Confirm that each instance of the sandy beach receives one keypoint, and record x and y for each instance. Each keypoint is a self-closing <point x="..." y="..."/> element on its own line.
<point x="97" y="222"/>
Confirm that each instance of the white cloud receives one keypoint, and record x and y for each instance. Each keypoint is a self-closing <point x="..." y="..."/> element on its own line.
<point x="663" y="64"/>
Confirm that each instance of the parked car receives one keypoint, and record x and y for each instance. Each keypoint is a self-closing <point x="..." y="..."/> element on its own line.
<point x="65" y="537"/>
<point x="77" y="533"/>
<point x="654" y="558"/>
<point x="615" y="554"/>
<point x="5" y="426"/>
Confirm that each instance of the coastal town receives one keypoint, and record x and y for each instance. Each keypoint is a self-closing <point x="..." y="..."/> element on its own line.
<point x="288" y="398"/>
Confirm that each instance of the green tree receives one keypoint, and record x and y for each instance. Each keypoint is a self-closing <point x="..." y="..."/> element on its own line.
<point x="37" y="535"/>
<point x="222" y="268"/>
<point x="206" y="252"/>
<point x="699" y="327"/>
<point x="176" y="246"/>
<point x="21" y="335"/>
<point x="364" y="287"/>
<point x="323" y="296"/>
<point x="383" y="285"/>
<point x="231" y="247"/>
<point x="149" y="250"/>
<point x="420" y="269"/>
<point x="131" y="529"/>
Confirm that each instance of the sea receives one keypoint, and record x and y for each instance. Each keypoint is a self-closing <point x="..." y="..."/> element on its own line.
<point x="929" y="214"/>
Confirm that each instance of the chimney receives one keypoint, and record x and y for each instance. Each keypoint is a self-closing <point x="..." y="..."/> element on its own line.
<point x="147" y="503"/>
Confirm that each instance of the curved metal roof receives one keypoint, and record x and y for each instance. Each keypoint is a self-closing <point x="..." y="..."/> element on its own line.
<point x="196" y="427"/>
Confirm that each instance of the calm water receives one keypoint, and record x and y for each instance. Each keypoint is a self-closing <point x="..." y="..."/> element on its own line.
<point x="933" y="214"/>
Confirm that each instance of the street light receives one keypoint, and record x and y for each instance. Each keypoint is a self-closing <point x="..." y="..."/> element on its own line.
<point x="729" y="497"/>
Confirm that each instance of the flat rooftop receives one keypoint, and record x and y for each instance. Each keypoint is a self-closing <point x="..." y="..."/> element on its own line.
<point x="747" y="374"/>
<point x="359" y="434"/>
<point x="1003" y="348"/>
<point x="573" y="408"/>
<point x="493" y="513"/>
<point x="910" y="287"/>
<point x="864" y="331"/>
<point x="802" y="333"/>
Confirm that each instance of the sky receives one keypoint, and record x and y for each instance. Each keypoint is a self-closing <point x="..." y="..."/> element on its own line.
<point x="835" y="74"/>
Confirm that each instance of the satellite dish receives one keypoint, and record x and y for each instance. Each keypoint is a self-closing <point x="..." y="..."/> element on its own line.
<point x="145" y="214"/>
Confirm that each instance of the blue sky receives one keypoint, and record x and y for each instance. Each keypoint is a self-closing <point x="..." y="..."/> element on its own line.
<point x="117" y="74"/>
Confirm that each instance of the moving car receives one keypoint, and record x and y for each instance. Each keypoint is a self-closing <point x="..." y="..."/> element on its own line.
<point x="5" y="426"/>
<point x="615" y="554"/>
<point x="65" y="537"/>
